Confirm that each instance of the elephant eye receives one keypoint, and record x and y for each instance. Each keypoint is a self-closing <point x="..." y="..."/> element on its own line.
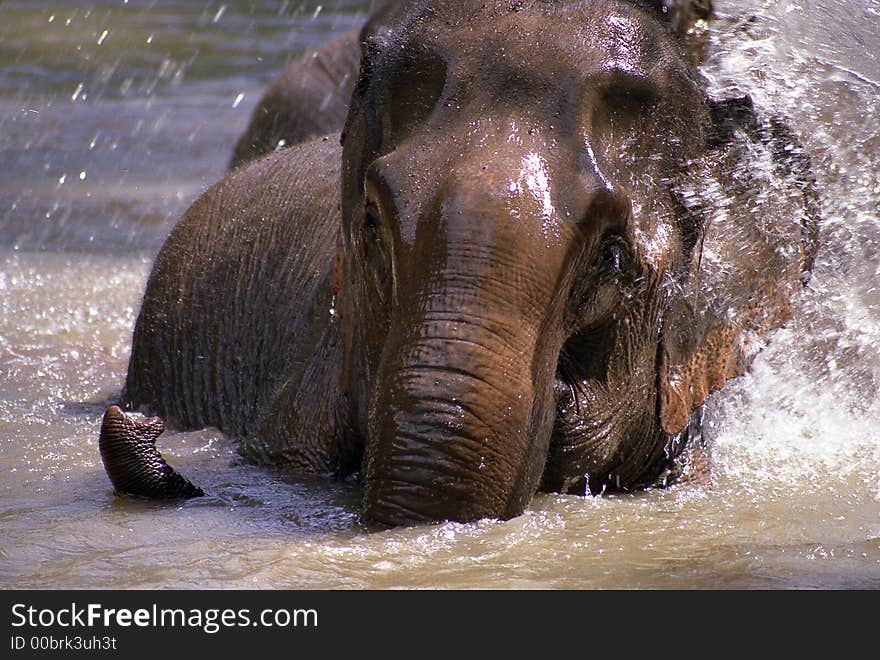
<point x="375" y="254"/>
<point x="613" y="257"/>
<point x="609" y="273"/>
<point x="371" y="218"/>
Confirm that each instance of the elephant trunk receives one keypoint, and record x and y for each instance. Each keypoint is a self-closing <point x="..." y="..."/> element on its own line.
<point x="458" y="430"/>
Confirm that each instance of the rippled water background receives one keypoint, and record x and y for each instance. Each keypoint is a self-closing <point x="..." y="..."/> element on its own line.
<point x="115" y="114"/>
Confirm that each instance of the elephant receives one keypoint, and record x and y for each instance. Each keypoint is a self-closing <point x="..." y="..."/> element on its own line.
<point x="535" y="249"/>
<point x="310" y="98"/>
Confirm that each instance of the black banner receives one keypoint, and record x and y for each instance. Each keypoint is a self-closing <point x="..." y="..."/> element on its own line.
<point x="297" y="623"/>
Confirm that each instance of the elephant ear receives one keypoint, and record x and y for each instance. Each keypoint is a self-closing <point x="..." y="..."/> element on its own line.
<point x="748" y="216"/>
<point x="688" y="21"/>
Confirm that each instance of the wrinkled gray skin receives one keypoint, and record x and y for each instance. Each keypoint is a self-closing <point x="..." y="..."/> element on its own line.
<point x="552" y="247"/>
<point x="235" y="329"/>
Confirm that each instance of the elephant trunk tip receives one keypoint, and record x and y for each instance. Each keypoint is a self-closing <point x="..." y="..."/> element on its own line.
<point x="132" y="461"/>
<point x="385" y="515"/>
<point x="389" y="502"/>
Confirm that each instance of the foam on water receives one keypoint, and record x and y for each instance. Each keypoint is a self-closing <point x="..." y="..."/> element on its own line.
<point x="810" y="405"/>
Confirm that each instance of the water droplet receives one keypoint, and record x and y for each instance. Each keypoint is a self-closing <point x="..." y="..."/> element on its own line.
<point x="82" y="175"/>
<point x="103" y="36"/>
<point x="220" y="13"/>
<point x="238" y="100"/>
<point x="77" y="92"/>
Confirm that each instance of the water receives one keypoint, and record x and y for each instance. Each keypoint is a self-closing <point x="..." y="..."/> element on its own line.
<point x="115" y="114"/>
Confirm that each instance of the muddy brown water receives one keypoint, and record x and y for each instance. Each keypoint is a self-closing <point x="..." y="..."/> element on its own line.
<point x="114" y="115"/>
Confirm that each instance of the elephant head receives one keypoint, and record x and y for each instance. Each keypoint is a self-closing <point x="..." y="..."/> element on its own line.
<point x="554" y="246"/>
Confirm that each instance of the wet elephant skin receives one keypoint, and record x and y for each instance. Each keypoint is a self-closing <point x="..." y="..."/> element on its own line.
<point x="552" y="246"/>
